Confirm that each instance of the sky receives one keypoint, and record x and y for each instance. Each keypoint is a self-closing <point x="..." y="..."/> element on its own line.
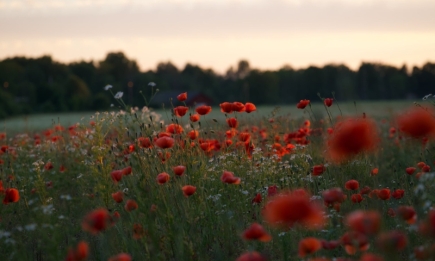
<point x="218" y="33"/>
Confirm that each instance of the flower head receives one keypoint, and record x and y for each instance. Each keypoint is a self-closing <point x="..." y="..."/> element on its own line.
<point x="119" y="95"/>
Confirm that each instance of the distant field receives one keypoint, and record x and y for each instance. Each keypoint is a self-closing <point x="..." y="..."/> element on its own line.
<point x="371" y="108"/>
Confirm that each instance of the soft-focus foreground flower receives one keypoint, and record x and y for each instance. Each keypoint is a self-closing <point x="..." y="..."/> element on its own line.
<point x="280" y="210"/>
<point x="11" y="195"/>
<point x="308" y="246"/>
<point x="251" y="256"/>
<point x="188" y="190"/>
<point x="80" y="253"/>
<point x="417" y="123"/>
<point x="351" y="137"/>
<point x="121" y="257"/>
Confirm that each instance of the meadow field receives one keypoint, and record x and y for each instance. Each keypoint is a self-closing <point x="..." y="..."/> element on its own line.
<point x="320" y="181"/>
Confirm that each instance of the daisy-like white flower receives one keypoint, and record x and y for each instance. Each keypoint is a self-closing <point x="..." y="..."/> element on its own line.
<point x="119" y="95"/>
<point x="107" y="87"/>
<point x="152" y="84"/>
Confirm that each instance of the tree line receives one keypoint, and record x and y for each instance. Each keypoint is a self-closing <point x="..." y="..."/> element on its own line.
<point x="39" y="85"/>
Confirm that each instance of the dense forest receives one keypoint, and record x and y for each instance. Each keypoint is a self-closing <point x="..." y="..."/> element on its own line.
<point x="30" y="85"/>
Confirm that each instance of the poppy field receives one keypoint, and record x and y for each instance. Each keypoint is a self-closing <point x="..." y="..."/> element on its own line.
<point x="127" y="185"/>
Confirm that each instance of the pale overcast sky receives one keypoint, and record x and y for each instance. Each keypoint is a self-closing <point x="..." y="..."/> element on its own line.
<point x="217" y="33"/>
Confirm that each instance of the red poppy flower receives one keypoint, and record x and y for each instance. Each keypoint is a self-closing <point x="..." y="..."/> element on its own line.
<point x="228" y="177"/>
<point x="421" y="164"/>
<point x="354" y="241"/>
<point x="162" y="178"/>
<point x="374" y="172"/>
<point x="366" y="222"/>
<point x="174" y="128"/>
<point x="328" y="102"/>
<point x="351" y="185"/>
<point x="351" y="137"/>
<point x="251" y="256"/>
<point x="302" y="104"/>
<point x="130" y="205"/>
<point x="232" y="122"/>
<point x="384" y="194"/>
<point x="238" y="107"/>
<point x="398" y="193"/>
<point x="272" y="190"/>
<point x="182" y="96"/>
<point x="317" y="170"/>
<point x="226" y="107"/>
<point x="329" y="245"/>
<point x="144" y="142"/>
<point x="365" y="190"/>
<point x="118" y="196"/>
<point x="194" y="118"/>
<point x="188" y="190"/>
<point x="245" y="136"/>
<point x="334" y="195"/>
<point x="193" y="134"/>
<point x="356" y="198"/>
<point x="279" y="210"/>
<point x="11" y="195"/>
<point x="80" y="253"/>
<point x="164" y="142"/>
<point x="96" y="221"/>
<point x="308" y="246"/>
<point x="203" y="110"/>
<point x="256" y="232"/>
<point x="121" y="257"/>
<point x="257" y="199"/>
<point x="179" y="170"/>
<point x="392" y="241"/>
<point x="138" y="231"/>
<point x="180" y="111"/>
<point x="417" y="123"/>
<point x="250" y="107"/>
<point x="48" y="166"/>
<point x="116" y="176"/>
<point x="407" y="213"/>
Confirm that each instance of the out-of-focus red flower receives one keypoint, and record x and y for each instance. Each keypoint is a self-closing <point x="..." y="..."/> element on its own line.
<point x="188" y="190"/>
<point x="392" y="241"/>
<point x="351" y="185"/>
<point x="228" y="177"/>
<point x="351" y="137"/>
<point x="226" y="107"/>
<point x="130" y="205"/>
<point x="365" y="190"/>
<point x="11" y="195"/>
<point x="118" y="196"/>
<point x="238" y="107"/>
<point x="257" y="199"/>
<point x="164" y="142"/>
<point x="232" y="122"/>
<point x="328" y="102"/>
<point x="179" y="170"/>
<point x="174" y="128"/>
<point x="180" y="111"/>
<point x="308" y="246"/>
<point x="138" y="231"/>
<point x="194" y="118"/>
<point x="317" y="170"/>
<point x="354" y="241"/>
<point x="398" y="193"/>
<point x="96" y="221"/>
<point x="251" y="256"/>
<point x="121" y="257"/>
<point x="80" y="253"/>
<point x="116" y="176"/>
<point x="384" y="194"/>
<point x="250" y="107"/>
<point x="370" y="257"/>
<point x="272" y="190"/>
<point x="48" y="166"/>
<point x="356" y="198"/>
<point x="256" y="232"/>
<point x="328" y="245"/>
<point x="417" y="123"/>
<point x="366" y="222"/>
<point x="144" y="142"/>
<point x="302" y="104"/>
<point x="162" y="178"/>
<point x="193" y="134"/>
<point x="279" y="210"/>
<point x="407" y="213"/>
<point x="203" y="110"/>
<point x="374" y="172"/>
<point x="182" y="96"/>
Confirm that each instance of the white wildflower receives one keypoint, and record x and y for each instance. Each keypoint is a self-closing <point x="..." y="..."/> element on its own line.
<point x="152" y="84"/>
<point x="119" y="95"/>
<point x="107" y="87"/>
